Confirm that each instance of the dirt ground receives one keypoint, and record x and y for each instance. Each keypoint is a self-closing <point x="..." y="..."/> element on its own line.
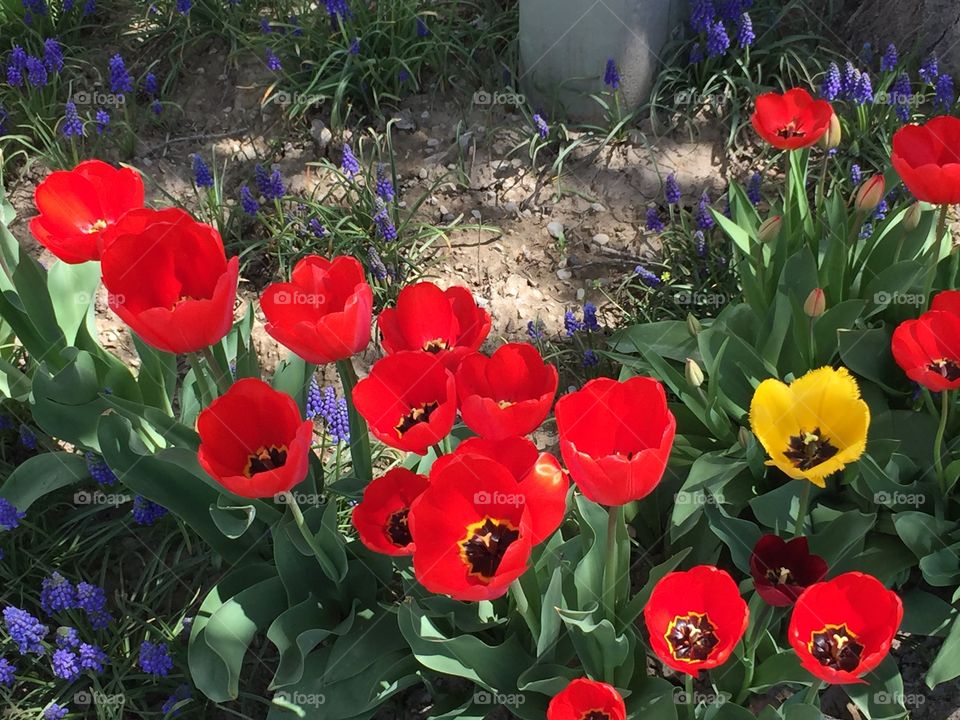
<point x="540" y="252"/>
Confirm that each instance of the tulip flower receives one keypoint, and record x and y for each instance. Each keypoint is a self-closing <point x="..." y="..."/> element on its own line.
<point x="447" y="323"/>
<point x="927" y="158"/>
<point x="695" y="618"/>
<point x="813" y="427"/>
<point x="472" y="529"/>
<point x="793" y="120"/>
<point x="815" y="304"/>
<point x="843" y="628"/>
<point x="781" y="570"/>
<point x="324" y="314"/>
<point x="928" y="349"/>
<point x="169" y="279"/>
<point x="409" y="401"/>
<point x="509" y="393"/>
<point x="79" y="207"/>
<point x="615" y="438"/>
<point x="540" y="479"/>
<point x="831" y="139"/>
<point x="870" y="194"/>
<point x="254" y="441"/>
<point x="585" y="699"/>
<point x="769" y="229"/>
<point x="947" y="301"/>
<point x="381" y="518"/>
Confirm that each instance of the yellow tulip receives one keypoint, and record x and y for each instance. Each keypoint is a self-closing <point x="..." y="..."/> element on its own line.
<point x="812" y="427"/>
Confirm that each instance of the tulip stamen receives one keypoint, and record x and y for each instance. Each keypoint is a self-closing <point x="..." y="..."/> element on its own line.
<point x="95" y="227"/>
<point x="483" y="547"/>
<point x="836" y="647"/>
<point x="946" y="368"/>
<point x="419" y="414"/>
<point x="809" y="449"/>
<point x="781" y="576"/>
<point x="691" y="637"/>
<point x="436" y="345"/>
<point x="790" y="130"/>
<point x="502" y="404"/>
<point x="398" y="528"/>
<point x="595" y="715"/>
<point x="265" y="459"/>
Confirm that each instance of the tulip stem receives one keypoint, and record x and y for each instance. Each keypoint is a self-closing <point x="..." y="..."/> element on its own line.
<point x="200" y="378"/>
<point x="938" y="443"/>
<point x="219" y="373"/>
<point x="359" y="436"/>
<point x="935" y="250"/>
<point x="610" y="569"/>
<point x="802" y="507"/>
<point x="688" y="690"/>
<point x="812" y="697"/>
<point x="308" y="535"/>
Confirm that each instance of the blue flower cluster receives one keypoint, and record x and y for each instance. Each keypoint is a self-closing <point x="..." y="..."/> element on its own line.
<point x="377" y="267"/>
<point x="26" y="631"/>
<point x="671" y="189"/>
<point x="325" y="405"/>
<point x="269" y="184"/>
<point x="179" y="695"/>
<point x="572" y="326"/>
<point x="650" y="279"/>
<point x="536" y="330"/>
<point x="384" y="186"/>
<point x="155" y="659"/>
<point x="611" y="76"/>
<point x="540" y="125"/>
<point x="99" y="470"/>
<point x="349" y="163"/>
<point x="202" y="177"/>
<point x="713" y="21"/>
<point x="654" y="221"/>
<point x="10" y="517"/>
<point x="384" y="224"/>
<point x="146" y="512"/>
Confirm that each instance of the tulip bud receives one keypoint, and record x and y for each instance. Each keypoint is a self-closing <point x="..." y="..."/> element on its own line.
<point x="912" y="217"/>
<point x="694" y="373"/>
<point x="870" y="194"/>
<point x="744" y="437"/>
<point x="693" y="326"/>
<point x="770" y="229"/>
<point x="816" y="303"/>
<point x="833" y="136"/>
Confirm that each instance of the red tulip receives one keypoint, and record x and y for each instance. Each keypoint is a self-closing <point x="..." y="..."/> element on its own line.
<point x="409" y="401"/>
<point x="253" y="440"/>
<point x="928" y="349"/>
<point x="948" y="301"/>
<point x="615" y="438"/>
<point x="472" y="530"/>
<point x="927" y="158"/>
<point x="782" y="570"/>
<point x="169" y="279"/>
<point x="586" y="699"/>
<point x="324" y="313"/>
<point x="540" y="480"/>
<point x="843" y="628"/>
<point x="381" y="517"/>
<point x="793" y="120"/>
<point x="78" y="207"/>
<point x="695" y="618"/>
<point x="508" y="393"/>
<point x="447" y="323"/>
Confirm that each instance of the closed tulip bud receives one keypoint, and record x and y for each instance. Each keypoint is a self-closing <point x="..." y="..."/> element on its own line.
<point x="912" y="218"/>
<point x="744" y="437"/>
<point x="770" y="229"/>
<point x="693" y="326"/>
<point x="870" y="194"/>
<point x="833" y="136"/>
<point x="694" y="373"/>
<point x="816" y="303"/>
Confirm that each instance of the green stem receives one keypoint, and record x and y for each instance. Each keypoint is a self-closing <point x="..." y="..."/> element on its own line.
<point x="614" y="519"/>
<point x="935" y="250"/>
<point x="688" y="689"/>
<point x="938" y="443"/>
<point x="359" y="436"/>
<point x="802" y="508"/>
<point x="220" y="375"/>
<point x="812" y="697"/>
<point x="308" y="535"/>
<point x="200" y="377"/>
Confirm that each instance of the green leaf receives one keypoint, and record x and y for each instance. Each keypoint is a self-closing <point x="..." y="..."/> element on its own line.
<point x="296" y="632"/>
<point x="73" y="290"/>
<point x="43" y="474"/>
<point x="784" y="667"/>
<point x="494" y="667"/>
<point x="230" y="616"/>
<point x="738" y="535"/>
<point x="946" y="665"/>
<point x="670" y="339"/>
<point x="232" y="519"/>
<point x="881" y="697"/>
<point x="639" y="601"/>
<point x="867" y="353"/>
<point x="926" y="614"/>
